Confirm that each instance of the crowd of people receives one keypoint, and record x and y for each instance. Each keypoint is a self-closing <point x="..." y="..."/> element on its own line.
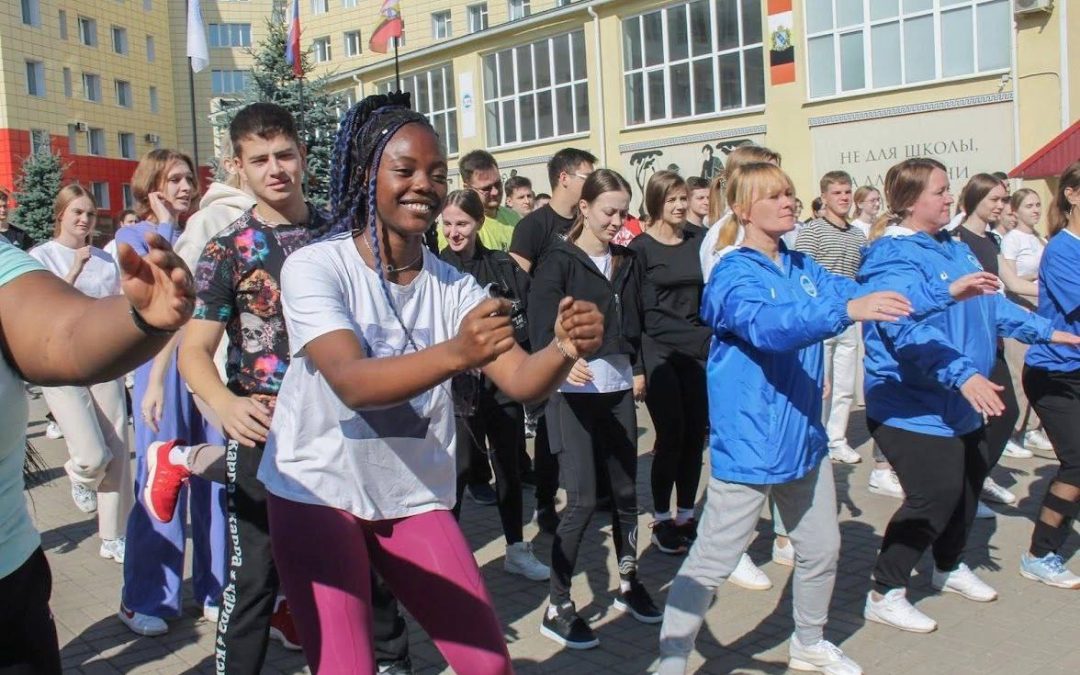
<point x="315" y="392"/>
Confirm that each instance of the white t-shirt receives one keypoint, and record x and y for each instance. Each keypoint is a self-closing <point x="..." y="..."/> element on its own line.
<point x="1025" y="250"/>
<point x="707" y="254"/>
<point x="377" y="464"/>
<point x="99" y="278"/>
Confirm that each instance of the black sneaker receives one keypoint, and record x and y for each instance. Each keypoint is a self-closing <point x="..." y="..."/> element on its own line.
<point x="568" y="629"/>
<point x="547" y="519"/>
<point x="396" y="667"/>
<point x="668" y="537"/>
<point x="689" y="530"/>
<point x="636" y="600"/>
<point x="483" y="494"/>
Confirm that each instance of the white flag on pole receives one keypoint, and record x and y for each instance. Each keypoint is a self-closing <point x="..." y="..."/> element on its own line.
<point x="196" y="37"/>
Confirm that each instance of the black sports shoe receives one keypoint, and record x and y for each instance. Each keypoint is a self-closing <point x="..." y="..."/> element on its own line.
<point x="668" y="537"/>
<point x="636" y="600"/>
<point x="547" y="519"/>
<point x="689" y="530"/>
<point x="483" y="494"/>
<point x="397" y="667"/>
<point x="568" y="628"/>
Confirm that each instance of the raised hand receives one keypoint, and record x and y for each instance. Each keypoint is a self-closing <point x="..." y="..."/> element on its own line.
<point x="158" y="285"/>
<point x="579" y="327"/>
<point x="974" y="285"/>
<point x="485" y="333"/>
<point x="161" y="208"/>
<point x="879" y="306"/>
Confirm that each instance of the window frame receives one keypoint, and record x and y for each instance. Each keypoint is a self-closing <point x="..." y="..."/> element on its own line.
<point x="151" y="48"/>
<point x="120" y="86"/>
<point x="232" y="73"/>
<point x="121" y="137"/>
<point x="525" y="6"/>
<point x="442" y="118"/>
<point x="91" y="134"/>
<point x="30" y="13"/>
<point x="479" y="11"/>
<point x="100" y="190"/>
<point x="38" y="79"/>
<point x="445" y="20"/>
<point x="152" y="99"/>
<point x="120" y="31"/>
<point x="322" y="51"/>
<point x="87" y="29"/>
<point x="91" y="78"/>
<point x="359" y="43"/>
<point x="35" y="135"/>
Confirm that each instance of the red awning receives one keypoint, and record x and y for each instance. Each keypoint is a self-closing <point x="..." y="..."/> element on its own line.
<point x="1053" y="158"/>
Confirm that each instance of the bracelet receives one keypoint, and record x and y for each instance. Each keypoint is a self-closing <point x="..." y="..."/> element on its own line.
<point x="562" y="350"/>
<point x="145" y="328"/>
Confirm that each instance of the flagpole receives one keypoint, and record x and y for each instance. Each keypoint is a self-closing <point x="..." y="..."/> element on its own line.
<point x="397" y="71"/>
<point x="194" y="117"/>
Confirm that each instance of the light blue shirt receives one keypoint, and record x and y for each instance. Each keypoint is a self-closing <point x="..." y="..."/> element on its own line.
<point x="18" y="538"/>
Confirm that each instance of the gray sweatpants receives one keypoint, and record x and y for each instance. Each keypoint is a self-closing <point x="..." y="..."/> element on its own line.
<point x="808" y="509"/>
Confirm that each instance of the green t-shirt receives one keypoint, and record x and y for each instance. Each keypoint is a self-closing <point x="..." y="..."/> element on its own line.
<point x="493" y="235"/>
<point x="507" y="216"/>
<point x="18" y="538"/>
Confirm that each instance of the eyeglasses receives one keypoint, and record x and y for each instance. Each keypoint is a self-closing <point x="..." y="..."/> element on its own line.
<point x="582" y="176"/>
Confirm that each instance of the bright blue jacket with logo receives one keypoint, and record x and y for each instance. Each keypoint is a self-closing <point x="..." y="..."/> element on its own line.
<point x="915" y="367"/>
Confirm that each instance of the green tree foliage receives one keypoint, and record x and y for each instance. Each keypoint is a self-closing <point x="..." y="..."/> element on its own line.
<point x="313" y="107"/>
<point x="40" y="178"/>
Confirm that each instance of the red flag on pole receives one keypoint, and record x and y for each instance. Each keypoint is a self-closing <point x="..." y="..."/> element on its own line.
<point x="392" y="26"/>
<point x="293" y="55"/>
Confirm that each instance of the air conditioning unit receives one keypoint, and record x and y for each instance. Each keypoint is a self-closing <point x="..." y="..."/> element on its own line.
<point x="1029" y="6"/>
<point x="152" y="138"/>
<point x="80" y="126"/>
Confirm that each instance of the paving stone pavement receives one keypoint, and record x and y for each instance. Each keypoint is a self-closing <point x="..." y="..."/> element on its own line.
<point x="1031" y="628"/>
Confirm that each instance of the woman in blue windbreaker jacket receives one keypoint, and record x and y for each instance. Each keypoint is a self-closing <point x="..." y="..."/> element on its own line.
<point x="927" y="394"/>
<point x="769" y="310"/>
<point x="1052" y="384"/>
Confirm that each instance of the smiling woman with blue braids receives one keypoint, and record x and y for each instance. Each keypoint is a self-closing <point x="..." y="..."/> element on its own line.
<point x="360" y="462"/>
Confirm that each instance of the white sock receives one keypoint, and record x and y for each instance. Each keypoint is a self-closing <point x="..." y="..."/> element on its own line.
<point x="624" y="585"/>
<point x="683" y="515"/>
<point x="179" y="454"/>
<point x="661" y="516"/>
<point x="552" y="610"/>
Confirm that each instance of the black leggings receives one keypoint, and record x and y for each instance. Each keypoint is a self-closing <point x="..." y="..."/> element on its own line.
<point x="503" y="425"/>
<point x="27" y="633"/>
<point x="679" y="407"/>
<point x="941" y="477"/>
<point x="594" y="429"/>
<point x="1056" y="398"/>
<point x="1000" y="429"/>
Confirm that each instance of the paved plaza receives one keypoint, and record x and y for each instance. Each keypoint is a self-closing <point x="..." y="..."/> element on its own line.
<point x="1032" y="628"/>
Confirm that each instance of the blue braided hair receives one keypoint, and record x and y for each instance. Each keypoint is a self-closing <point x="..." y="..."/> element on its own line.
<point x="362" y="137"/>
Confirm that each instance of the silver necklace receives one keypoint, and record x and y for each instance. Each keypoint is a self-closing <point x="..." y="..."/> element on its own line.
<point x="390" y="269"/>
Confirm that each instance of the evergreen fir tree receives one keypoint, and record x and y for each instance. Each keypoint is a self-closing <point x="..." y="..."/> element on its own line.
<point x="39" y="181"/>
<point x="315" y="109"/>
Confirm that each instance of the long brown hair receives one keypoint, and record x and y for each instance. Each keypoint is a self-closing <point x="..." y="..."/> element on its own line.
<point x="150" y="176"/>
<point x="1060" y="208"/>
<point x="64" y="197"/>
<point x="660" y="185"/>
<point x="598" y="182"/>
<point x="976" y="189"/>
<point x="904" y="183"/>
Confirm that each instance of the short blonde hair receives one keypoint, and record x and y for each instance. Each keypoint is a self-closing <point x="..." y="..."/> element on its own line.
<point x="737" y="158"/>
<point x="752" y="182"/>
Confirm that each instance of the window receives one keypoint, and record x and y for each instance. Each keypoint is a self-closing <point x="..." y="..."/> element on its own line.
<point x="127" y="196"/>
<point x="433" y="95"/>
<point x="63" y="25"/>
<point x="860" y="45"/>
<point x="73" y="139"/>
<point x="87" y="31"/>
<point x="31" y="12"/>
<point x="100" y="190"/>
<point x="35" y="78"/>
<point x="127" y="145"/>
<point x="151" y="50"/>
<point x="153" y="100"/>
<point x="91" y="87"/>
<point x="320" y="6"/>
<point x="40" y="140"/>
<point x="320" y="47"/>
<point x="478" y="17"/>
<point x="537" y="91"/>
<point x="692" y="59"/>
<point x="123" y="94"/>
<point x="350" y="3"/>
<point x="352" y="43"/>
<point x="97" y="141"/>
<point x="518" y="9"/>
<point x="119" y="40"/>
<point x="228" y="81"/>
<point x="562" y="3"/>
<point x="230" y="34"/>
<point x="440" y="25"/>
<point x="67" y="82"/>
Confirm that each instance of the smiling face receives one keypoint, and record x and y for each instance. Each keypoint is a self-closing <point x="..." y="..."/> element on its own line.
<point x="273" y="168"/>
<point x="675" y="206"/>
<point x="990" y="207"/>
<point x="459" y="228"/>
<point x="604" y="217"/>
<point x="931" y="209"/>
<point x="871" y="206"/>
<point x="178" y="187"/>
<point x="77" y="221"/>
<point x="411" y="181"/>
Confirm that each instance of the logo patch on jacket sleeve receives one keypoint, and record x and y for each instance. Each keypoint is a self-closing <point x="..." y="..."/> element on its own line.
<point x="974" y="261"/>
<point x="808" y="286"/>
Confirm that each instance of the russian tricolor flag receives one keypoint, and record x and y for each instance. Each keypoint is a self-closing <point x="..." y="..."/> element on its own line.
<point x="293" y="55"/>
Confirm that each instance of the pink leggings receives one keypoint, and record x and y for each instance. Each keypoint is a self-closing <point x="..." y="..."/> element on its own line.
<point x="324" y="558"/>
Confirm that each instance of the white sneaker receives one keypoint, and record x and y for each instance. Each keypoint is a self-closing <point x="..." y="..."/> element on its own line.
<point x="211" y="613"/>
<point x="53" y="431"/>
<point x="1017" y="451"/>
<point x="992" y="492"/>
<point x="894" y="610"/>
<point x="844" y="454"/>
<point x="963" y="581"/>
<point x="85" y="499"/>
<point x="749" y="576"/>
<point x="984" y="512"/>
<point x="824" y="657"/>
<point x="112" y="549"/>
<point x="1036" y="438"/>
<point x="142" y="624"/>
<point x="885" y="483"/>
<point x="783" y="555"/>
<point x="521" y="560"/>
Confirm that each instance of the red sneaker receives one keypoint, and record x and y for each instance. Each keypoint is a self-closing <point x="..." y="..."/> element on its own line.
<point x="163" y="481"/>
<point x="282" y="628"/>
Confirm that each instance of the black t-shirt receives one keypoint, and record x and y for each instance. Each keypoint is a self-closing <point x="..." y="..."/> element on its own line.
<point x="17" y="237"/>
<point x="986" y="248"/>
<point x="536" y="232"/>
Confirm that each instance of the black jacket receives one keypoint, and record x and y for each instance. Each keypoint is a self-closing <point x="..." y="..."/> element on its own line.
<point x="567" y="270"/>
<point x="505" y="278"/>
